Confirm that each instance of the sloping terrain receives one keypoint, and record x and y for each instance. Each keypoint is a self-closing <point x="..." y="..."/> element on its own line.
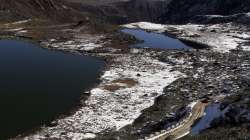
<point x="126" y="11"/>
<point x="167" y="11"/>
<point x="183" y="11"/>
<point x="142" y="88"/>
<point x="123" y="11"/>
<point x="12" y="10"/>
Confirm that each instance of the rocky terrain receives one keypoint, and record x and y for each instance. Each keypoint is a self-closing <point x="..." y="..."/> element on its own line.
<point x="127" y="11"/>
<point x="232" y="55"/>
<point x="219" y="37"/>
<point x="144" y="92"/>
<point x="215" y="11"/>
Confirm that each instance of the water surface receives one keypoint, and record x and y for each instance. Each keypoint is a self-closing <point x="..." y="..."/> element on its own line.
<point x="155" y="40"/>
<point x="212" y="112"/>
<point x="37" y="85"/>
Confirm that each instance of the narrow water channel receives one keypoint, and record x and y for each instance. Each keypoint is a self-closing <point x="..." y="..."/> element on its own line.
<point x="37" y="85"/>
<point x="155" y="40"/>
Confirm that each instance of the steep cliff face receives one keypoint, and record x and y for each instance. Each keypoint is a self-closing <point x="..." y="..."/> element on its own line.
<point x="182" y="11"/>
<point x="21" y="9"/>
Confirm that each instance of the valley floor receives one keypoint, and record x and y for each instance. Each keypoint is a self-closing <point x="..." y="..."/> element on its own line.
<point x="141" y="87"/>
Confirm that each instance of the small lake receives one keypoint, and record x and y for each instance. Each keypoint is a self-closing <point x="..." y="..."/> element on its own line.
<point x="212" y="112"/>
<point x="37" y="85"/>
<point x="155" y="40"/>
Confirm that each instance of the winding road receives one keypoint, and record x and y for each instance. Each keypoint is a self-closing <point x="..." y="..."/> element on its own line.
<point x="183" y="129"/>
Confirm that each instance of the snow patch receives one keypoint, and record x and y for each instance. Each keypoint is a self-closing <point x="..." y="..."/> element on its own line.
<point x="106" y="111"/>
<point x="145" y="26"/>
<point x="192" y="104"/>
<point x="220" y="37"/>
<point x="18" y="22"/>
<point x="85" y="42"/>
<point x="21" y="22"/>
<point x="90" y="46"/>
<point x="245" y="47"/>
<point x="244" y="36"/>
<point x="81" y="136"/>
<point x="248" y="14"/>
<point x="16" y="29"/>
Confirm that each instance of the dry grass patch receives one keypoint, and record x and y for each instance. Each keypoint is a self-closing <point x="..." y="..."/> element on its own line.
<point x="127" y="81"/>
<point x="120" y="83"/>
<point x="112" y="87"/>
<point x="36" y="34"/>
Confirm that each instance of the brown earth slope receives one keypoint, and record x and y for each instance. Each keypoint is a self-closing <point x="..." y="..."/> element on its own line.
<point x="12" y="10"/>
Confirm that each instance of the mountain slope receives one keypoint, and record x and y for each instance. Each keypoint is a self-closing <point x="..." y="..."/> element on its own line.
<point x="183" y="11"/>
<point x="123" y="11"/>
<point x="21" y="9"/>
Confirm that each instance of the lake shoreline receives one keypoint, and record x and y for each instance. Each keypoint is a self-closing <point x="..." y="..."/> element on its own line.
<point x="110" y="56"/>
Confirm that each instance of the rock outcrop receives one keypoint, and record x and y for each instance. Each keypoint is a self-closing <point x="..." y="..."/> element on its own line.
<point x="183" y="11"/>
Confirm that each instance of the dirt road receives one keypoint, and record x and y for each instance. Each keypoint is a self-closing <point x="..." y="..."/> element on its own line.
<point x="183" y="129"/>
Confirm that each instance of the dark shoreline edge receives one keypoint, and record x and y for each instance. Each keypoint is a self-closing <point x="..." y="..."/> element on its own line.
<point x="84" y="95"/>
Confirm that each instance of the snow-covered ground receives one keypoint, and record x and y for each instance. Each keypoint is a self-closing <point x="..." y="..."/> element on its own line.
<point x="111" y="110"/>
<point x="84" y="42"/>
<point x="19" y="22"/>
<point x="248" y="14"/>
<point x="221" y="37"/>
<point x="146" y="26"/>
<point x="227" y="16"/>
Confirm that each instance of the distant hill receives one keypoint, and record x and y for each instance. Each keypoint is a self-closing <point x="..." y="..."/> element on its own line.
<point x="21" y="9"/>
<point x="125" y="11"/>
<point x="183" y="11"/>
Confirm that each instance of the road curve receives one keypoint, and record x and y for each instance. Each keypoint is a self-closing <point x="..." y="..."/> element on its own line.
<point x="183" y="129"/>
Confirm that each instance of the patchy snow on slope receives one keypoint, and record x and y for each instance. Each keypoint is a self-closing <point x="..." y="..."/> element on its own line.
<point x="107" y="110"/>
<point x="214" y="16"/>
<point x="192" y="104"/>
<point x="21" y="21"/>
<point x="222" y="43"/>
<point x="18" y="22"/>
<point x="248" y="14"/>
<point x="80" y="136"/>
<point x="16" y="29"/>
<point x="84" y="42"/>
<point x="244" y="36"/>
<point x="246" y="47"/>
<point x="90" y="46"/>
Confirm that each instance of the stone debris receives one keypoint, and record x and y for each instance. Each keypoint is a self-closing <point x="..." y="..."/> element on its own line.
<point x="106" y="111"/>
<point x="185" y="75"/>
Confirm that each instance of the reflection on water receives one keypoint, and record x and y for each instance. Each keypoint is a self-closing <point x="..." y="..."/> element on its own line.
<point x="212" y="112"/>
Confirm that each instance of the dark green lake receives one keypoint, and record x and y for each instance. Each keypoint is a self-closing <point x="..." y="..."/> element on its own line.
<point x="37" y="85"/>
